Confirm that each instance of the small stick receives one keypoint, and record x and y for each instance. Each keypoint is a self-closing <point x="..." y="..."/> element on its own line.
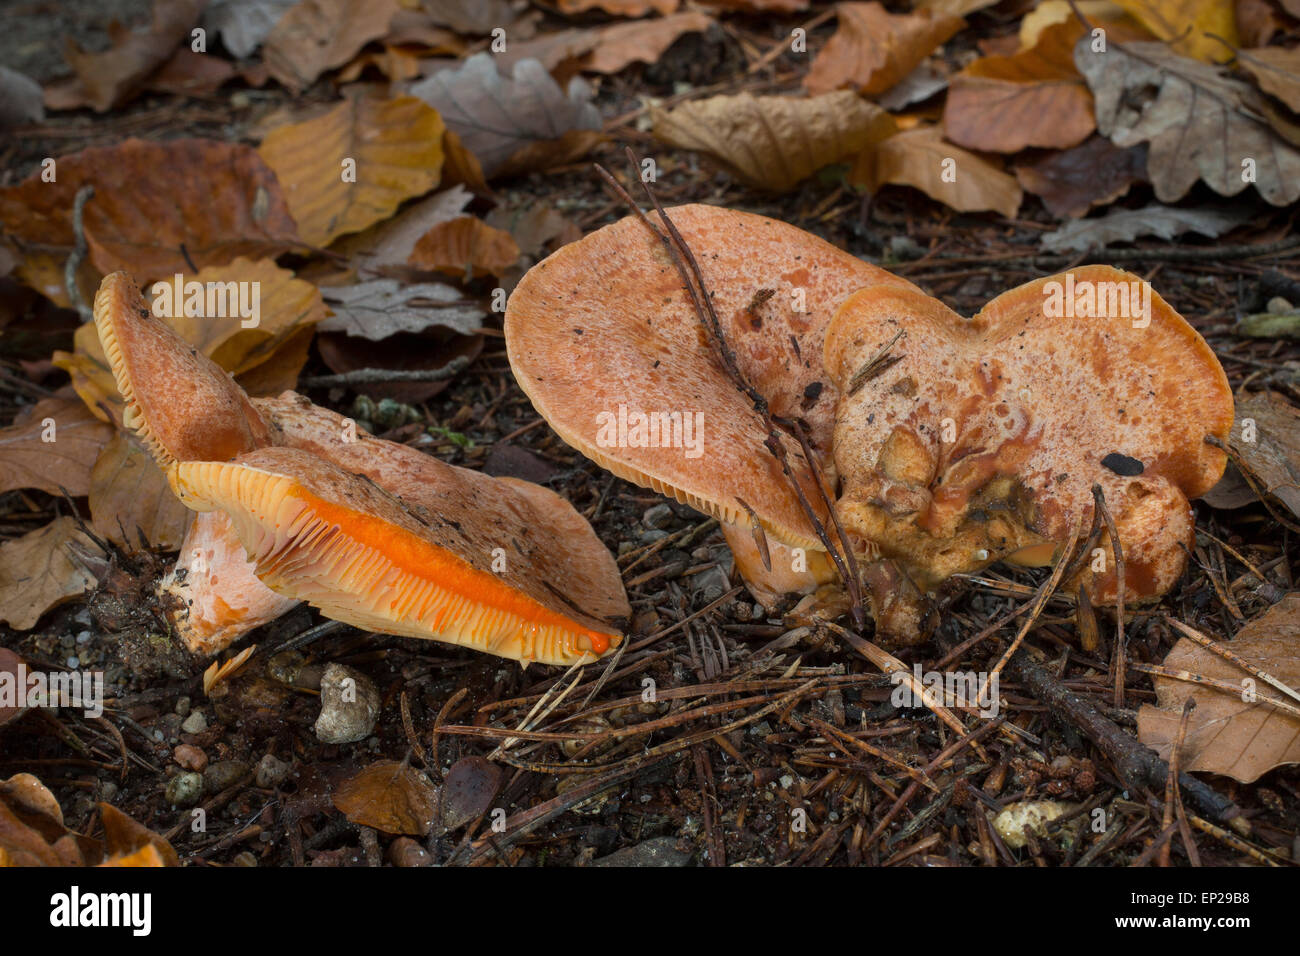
<point x="1226" y="686"/>
<point x="1193" y="634"/>
<point x="1119" y="656"/>
<point x="374" y="376"/>
<point x="84" y="194"/>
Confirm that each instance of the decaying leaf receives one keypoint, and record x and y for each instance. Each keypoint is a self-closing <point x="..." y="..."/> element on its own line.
<point x="1189" y="26"/>
<point x="498" y="117"/>
<point x="384" y="307"/>
<point x="472" y="783"/>
<point x="949" y="174"/>
<point x="131" y="503"/>
<point x="465" y="246"/>
<point x="387" y="245"/>
<point x="53" y="448"/>
<point x="1266" y="439"/>
<point x="44" y="568"/>
<point x="319" y="35"/>
<point x="1094" y="173"/>
<point x="1276" y="70"/>
<point x="388" y="796"/>
<point x="353" y="166"/>
<point x="1234" y="732"/>
<point x="873" y="49"/>
<point x="645" y="41"/>
<point x="244" y="24"/>
<point x="774" y="142"/>
<point x="124" y="836"/>
<point x="217" y="200"/>
<point x="1037" y="97"/>
<point x="1126" y="225"/>
<point x="1145" y="93"/>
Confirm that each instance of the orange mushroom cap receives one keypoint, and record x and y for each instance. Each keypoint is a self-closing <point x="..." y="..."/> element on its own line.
<point x="984" y="439"/>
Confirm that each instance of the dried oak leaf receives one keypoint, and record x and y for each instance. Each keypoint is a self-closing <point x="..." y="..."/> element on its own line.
<point x="393" y="148"/>
<point x="53" y="448"/>
<point x="1266" y="440"/>
<point x="218" y="200"/>
<point x="1094" y="173"/>
<point x="1189" y="26"/>
<point x="645" y="41"/>
<point x="497" y="118"/>
<point x="381" y="308"/>
<point x="131" y="503"/>
<point x="44" y="568"/>
<point x="949" y="174"/>
<point x="774" y="142"/>
<point x="108" y="79"/>
<point x="1226" y="734"/>
<point x="1145" y="93"/>
<point x="1126" y="225"/>
<point x="465" y="246"/>
<point x="1276" y="71"/>
<point x="873" y="49"/>
<point x="319" y="35"/>
<point x="1036" y="97"/>
<point x="388" y="796"/>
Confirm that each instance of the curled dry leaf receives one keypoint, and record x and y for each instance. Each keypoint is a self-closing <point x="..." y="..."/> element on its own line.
<point x="774" y="142"/>
<point x="218" y="200"/>
<point x="1037" y="97"/>
<point x="319" y="35"/>
<point x="1233" y="732"/>
<point x="124" y="836"/>
<point x="1276" y="71"/>
<point x="497" y="117"/>
<point x="1266" y="440"/>
<point x="1145" y="93"/>
<point x="1189" y="26"/>
<point x="873" y="49"/>
<point x="244" y="24"/>
<point x="218" y="672"/>
<point x="53" y="449"/>
<point x="131" y="503"/>
<point x="465" y="246"/>
<point x="921" y="158"/>
<point x="1126" y="225"/>
<point x="44" y="568"/>
<point x="108" y="79"/>
<point x="1094" y="173"/>
<point x="392" y="148"/>
<point x="387" y="245"/>
<point x="388" y="796"/>
<point x="1100" y="13"/>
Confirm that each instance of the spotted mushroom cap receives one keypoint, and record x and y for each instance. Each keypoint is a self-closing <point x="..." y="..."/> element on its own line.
<point x="984" y="439"/>
<point x="602" y="332"/>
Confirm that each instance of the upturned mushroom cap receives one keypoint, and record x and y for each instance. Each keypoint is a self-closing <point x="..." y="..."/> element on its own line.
<point x="983" y="441"/>
<point x="602" y="332"/>
<point x="492" y="579"/>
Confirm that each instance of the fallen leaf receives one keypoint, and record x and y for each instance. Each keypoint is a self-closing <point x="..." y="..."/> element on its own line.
<point x="63" y="463"/>
<point x="1188" y="25"/>
<point x="388" y="796"/>
<point x="478" y="17"/>
<point x="467" y="794"/>
<point x="498" y="117"/>
<point x="131" y="503"/>
<point x="148" y="856"/>
<point x="431" y="350"/>
<point x="917" y="87"/>
<point x="319" y="35"/>
<point x="1258" y="21"/>
<point x="758" y="6"/>
<point x="873" y="49"/>
<point x="466" y="247"/>
<point x="1276" y="71"/>
<point x="396" y="65"/>
<point x="553" y="50"/>
<point x="1266" y="439"/>
<point x="1049" y="12"/>
<point x="533" y="227"/>
<point x="389" y="243"/>
<point x="622" y="44"/>
<point x="944" y="172"/>
<point x="1145" y="93"/>
<point x="1094" y="173"/>
<point x="124" y="836"/>
<point x="217" y="200"/>
<point x="1126" y="225"/>
<point x="383" y="307"/>
<point x="1037" y="97"/>
<point x="218" y="672"/>
<point x="1226" y="734"/>
<point x="192" y="74"/>
<point x="244" y="24"/>
<point x="393" y="148"/>
<point x="460" y="167"/>
<point x="774" y="142"/>
<point x="620" y="8"/>
<point x="43" y="568"/>
<point x="953" y="8"/>
<point x="109" y="79"/>
<point x="20" y="99"/>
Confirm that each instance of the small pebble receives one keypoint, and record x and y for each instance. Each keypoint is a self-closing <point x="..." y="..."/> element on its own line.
<point x="349" y="706"/>
<point x="650" y="537"/>
<point x="659" y="516"/>
<point x="190" y="757"/>
<point x="84" y="637"/>
<point x="185" y="789"/>
<point x="271" y="772"/>
<point x="74" y="663"/>
<point x="222" y="773"/>
<point x="195" y="723"/>
<point x="182" y="707"/>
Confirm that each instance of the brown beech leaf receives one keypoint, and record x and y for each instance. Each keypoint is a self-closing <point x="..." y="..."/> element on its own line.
<point x="381" y="308"/>
<point x="124" y="836"/>
<point x="1094" y="173"/>
<point x="319" y="35"/>
<point x="192" y="74"/>
<point x="497" y="117"/>
<point x="620" y="8"/>
<point x="476" y="17"/>
<point x="472" y="783"/>
<point x="387" y="245"/>
<point x="465" y="246"/>
<point x="642" y="42"/>
<point x="1100" y="13"/>
<point x="388" y="796"/>
<point x="944" y="172"/>
<point x="108" y="79"/>
<point x="1189" y="26"/>
<point x="1276" y="71"/>
<point x="1237" y="733"/>
<point x="1003" y="104"/>
<point x="1266" y="439"/>
<point x="758" y="6"/>
<point x="395" y="64"/>
<point x="392" y="147"/>
<point x="53" y="449"/>
<point x="131" y="503"/>
<point x="44" y="568"/>
<point x="1145" y="93"/>
<point x="218" y="200"/>
<point x="873" y="49"/>
<point x="952" y="8"/>
<point x="774" y="142"/>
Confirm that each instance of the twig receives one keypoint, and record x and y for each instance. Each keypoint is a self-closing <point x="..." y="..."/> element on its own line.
<point x="78" y="254"/>
<point x="1118" y="655"/>
<point x="373" y="376"/>
<point x="1193" y="634"/>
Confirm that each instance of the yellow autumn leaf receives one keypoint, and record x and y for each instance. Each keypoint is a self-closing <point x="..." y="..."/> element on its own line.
<point x="1187" y="25"/>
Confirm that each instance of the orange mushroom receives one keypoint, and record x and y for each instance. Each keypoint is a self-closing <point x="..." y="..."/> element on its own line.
<point x="603" y="339"/>
<point x="371" y="532"/>
<point x="983" y="439"/>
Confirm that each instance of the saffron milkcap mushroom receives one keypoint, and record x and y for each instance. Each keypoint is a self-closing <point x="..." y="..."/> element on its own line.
<point x="603" y="339"/>
<point x="983" y="440"/>
<point x="493" y="563"/>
